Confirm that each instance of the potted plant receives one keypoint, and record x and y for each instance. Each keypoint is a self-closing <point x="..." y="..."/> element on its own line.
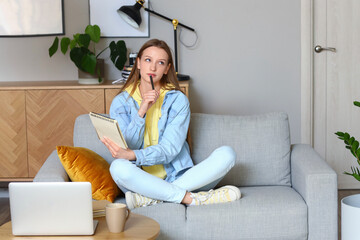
<point x="350" y="205"/>
<point x="353" y="145"/>
<point x="83" y="51"/>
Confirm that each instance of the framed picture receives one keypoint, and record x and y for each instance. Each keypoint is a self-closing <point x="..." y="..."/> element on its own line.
<point x="23" y="18"/>
<point x="104" y="14"/>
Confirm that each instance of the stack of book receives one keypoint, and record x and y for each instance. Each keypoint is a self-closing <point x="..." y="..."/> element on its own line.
<point x="124" y="75"/>
<point x="99" y="208"/>
<point x="126" y="72"/>
<point x="98" y="213"/>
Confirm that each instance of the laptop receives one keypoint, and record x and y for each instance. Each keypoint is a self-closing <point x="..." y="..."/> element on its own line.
<point x="51" y="208"/>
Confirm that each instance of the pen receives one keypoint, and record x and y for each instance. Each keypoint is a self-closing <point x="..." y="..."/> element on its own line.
<point x="152" y="83"/>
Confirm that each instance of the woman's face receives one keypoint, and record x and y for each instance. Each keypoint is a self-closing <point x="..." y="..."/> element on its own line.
<point x="154" y="61"/>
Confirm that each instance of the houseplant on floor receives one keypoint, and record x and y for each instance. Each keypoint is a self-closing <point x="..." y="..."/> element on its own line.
<point x="353" y="145"/>
<point x="83" y="53"/>
<point x="350" y="206"/>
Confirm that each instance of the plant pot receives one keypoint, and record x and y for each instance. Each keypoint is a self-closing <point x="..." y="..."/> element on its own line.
<point x="87" y="78"/>
<point x="350" y="215"/>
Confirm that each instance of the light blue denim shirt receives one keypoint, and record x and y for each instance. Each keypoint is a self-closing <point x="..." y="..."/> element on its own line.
<point x="172" y="150"/>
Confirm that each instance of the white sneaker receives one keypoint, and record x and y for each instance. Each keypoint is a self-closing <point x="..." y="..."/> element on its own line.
<point x="135" y="200"/>
<point x="220" y="195"/>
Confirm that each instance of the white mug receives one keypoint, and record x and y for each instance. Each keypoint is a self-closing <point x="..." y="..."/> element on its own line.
<point x="116" y="216"/>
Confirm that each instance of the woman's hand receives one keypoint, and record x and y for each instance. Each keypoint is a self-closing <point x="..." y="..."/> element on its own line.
<point x="148" y="99"/>
<point x="118" y="152"/>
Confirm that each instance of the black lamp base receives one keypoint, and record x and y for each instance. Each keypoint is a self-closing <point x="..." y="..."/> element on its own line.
<point x="182" y="77"/>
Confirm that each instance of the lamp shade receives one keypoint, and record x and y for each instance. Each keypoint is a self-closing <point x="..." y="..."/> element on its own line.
<point x="131" y="14"/>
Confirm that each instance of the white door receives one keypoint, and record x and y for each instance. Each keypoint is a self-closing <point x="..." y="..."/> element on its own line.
<point x="336" y="82"/>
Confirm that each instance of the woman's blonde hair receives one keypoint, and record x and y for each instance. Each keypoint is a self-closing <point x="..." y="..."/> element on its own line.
<point x="170" y="77"/>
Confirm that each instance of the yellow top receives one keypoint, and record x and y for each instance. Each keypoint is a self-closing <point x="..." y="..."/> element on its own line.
<point x="151" y="134"/>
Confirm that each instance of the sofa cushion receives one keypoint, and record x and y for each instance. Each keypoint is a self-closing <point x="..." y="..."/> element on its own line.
<point x="269" y="212"/>
<point x="262" y="145"/>
<point x="85" y="136"/>
<point x="84" y="165"/>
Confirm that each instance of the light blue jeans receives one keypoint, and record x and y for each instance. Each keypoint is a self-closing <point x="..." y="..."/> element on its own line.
<point x="201" y="177"/>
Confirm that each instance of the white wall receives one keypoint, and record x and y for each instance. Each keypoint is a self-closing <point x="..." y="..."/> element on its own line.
<point x="247" y="60"/>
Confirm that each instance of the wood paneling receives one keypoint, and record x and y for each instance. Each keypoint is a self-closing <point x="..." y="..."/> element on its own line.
<point x="13" y="152"/>
<point x="109" y="95"/>
<point x="50" y="119"/>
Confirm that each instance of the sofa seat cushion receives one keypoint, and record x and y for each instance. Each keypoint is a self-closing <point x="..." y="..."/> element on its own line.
<point x="261" y="143"/>
<point x="270" y="212"/>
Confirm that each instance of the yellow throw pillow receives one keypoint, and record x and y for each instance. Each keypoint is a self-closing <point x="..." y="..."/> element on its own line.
<point x="84" y="165"/>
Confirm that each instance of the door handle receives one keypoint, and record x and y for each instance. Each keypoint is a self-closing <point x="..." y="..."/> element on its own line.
<point x="319" y="49"/>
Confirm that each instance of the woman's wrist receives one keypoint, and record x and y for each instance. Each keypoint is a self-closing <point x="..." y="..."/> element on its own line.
<point x="131" y="155"/>
<point x="142" y="111"/>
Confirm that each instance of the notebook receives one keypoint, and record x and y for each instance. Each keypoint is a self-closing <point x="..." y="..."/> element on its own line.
<point x="107" y="127"/>
<point x="51" y="208"/>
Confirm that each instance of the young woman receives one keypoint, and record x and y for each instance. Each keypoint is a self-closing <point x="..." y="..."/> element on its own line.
<point x="157" y="165"/>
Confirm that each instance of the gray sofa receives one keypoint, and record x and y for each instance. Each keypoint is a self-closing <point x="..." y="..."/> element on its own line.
<point x="288" y="191"/>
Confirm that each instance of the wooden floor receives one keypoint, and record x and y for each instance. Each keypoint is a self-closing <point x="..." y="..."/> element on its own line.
<point x="5" y="210"/>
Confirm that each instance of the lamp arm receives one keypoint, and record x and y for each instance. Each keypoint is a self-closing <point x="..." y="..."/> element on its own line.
<point x="169" y="19"/>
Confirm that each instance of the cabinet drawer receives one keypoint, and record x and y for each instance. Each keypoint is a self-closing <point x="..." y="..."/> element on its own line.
<point x="51" y="116"/>
<point x="13" y="154"/>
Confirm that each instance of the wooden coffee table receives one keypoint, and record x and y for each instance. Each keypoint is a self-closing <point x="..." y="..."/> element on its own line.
<point x="136" y="227"/>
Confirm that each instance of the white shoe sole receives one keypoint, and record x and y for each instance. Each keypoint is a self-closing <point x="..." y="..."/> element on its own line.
<point x="129" y="200"/>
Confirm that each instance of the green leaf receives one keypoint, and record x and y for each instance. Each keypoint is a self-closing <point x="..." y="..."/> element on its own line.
<point x="54" y="47"/>
<point x="355" y="173"/>
<point x="73" y="44"/>
<point x="77" y="54"/>
<point x="76" y="37"/>
<point x="88" y="63"/>
<point x="84" y="40"/>
<point x="346" y="136"/>
<point x="94" y="32"/>
<point x="340" y="134"/>
<point x="351" y="140"/>
<point x="358" y="152"/>
<point x="118" y="52"/>
<point x="64" y="44"/>
<point x="355" y="146"/>
<point x="357" y="104"/>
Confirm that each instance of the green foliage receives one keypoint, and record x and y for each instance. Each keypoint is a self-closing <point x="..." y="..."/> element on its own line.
<point x="80" y="53"/>
<point x="353" y="146"/>
<point x="118" y="53"/>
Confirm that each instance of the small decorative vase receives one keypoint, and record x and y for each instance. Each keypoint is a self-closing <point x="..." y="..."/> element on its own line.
<point x="350" y="215"/>
<point x="87" y="78"/>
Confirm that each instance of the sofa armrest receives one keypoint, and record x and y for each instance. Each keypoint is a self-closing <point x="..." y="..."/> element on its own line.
<point x="52" y="170"/>
<point x="316" y="182"/>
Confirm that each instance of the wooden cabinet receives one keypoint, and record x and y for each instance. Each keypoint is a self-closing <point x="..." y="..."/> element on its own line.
<point x="38" y="116"/>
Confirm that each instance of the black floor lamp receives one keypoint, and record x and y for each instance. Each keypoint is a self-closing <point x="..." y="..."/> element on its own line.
<point x="131" y="14"/>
